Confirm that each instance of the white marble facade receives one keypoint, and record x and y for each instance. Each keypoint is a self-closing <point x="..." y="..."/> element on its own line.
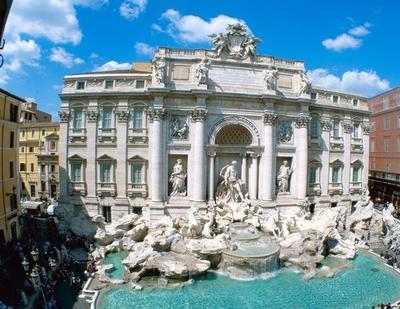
<point x="122" y="133"/>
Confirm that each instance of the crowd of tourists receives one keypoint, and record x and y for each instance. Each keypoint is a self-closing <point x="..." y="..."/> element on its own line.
<point x="53" y="264"/>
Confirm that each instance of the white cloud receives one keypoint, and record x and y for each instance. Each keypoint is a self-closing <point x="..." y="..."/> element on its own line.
<point x="21" y="52"/>
<point x="113" y="65"/>
<point x="191" y="28"/>
<point x="60" y="55"/>
<point x="366" y="83"/>
<point x="351" y="39"/>
<point x="57" y="87"/>
<point x="93" y="4"/>
<point x="30" y="100"/>
<point x="131" y="9"/>
<point x="144" y="49"/>
<point x="94" y="56"/>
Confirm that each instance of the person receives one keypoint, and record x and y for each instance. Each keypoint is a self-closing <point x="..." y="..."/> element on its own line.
<point x="177" y="179"/>
<point x="283" y="177"/>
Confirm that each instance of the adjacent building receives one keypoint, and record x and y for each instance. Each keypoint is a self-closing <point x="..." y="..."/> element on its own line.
<point x="38" y="153"/>
<point x="384" y="166"/>
<point x="9" y="177"/>
<point x="125" y="136"/>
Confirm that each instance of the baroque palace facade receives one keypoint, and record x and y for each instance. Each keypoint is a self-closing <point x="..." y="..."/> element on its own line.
<point x="161" y="136"/>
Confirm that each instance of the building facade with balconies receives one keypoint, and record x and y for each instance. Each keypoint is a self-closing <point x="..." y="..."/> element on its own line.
<point x="126" y="135"/>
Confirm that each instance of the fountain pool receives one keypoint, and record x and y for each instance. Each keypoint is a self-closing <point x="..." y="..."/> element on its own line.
<point x="368" y="282"/>
<point x="115" y="258"/>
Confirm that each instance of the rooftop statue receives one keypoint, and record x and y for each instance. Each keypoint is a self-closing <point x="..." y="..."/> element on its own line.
<point x="235" y="43"/>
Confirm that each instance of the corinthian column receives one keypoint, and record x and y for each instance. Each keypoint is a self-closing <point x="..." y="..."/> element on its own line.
<point x="198" y="116"/>
<point x="268" y="175"/>
<point x="156" y="116"/>
<point x="301" y="138"/>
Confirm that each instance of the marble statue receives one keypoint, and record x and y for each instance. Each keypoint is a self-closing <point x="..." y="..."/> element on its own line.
<point x="179" y="130"/>
<point x="270" y="225"/>
<point x="230" y="189"/>
<point x="202" y="72"/>
<point x="159" y="70"/>
<point x="305" y="84"/>
<point x="220" y="43"/>
<point x="285" y="131"/>
<point x="284" y="174"/>
<point x="271" y="78"/>
<point x="388" y="219"/>
<point x="177" y="179"/>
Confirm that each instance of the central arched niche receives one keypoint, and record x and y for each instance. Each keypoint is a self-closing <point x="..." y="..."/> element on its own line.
<point x="233" y="134"/>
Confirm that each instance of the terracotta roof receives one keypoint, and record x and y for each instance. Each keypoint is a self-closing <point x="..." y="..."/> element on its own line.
<point x="39" y="124"/>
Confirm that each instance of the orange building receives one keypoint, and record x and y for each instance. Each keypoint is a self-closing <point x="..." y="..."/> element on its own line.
<point x="384" y="180"/>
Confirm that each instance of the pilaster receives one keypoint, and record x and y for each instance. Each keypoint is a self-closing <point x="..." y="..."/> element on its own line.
<point x="91" y="133"/>
<point x="122" y="114"/>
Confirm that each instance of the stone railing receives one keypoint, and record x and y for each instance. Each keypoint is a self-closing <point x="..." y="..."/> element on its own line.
<point x="335" y="188"/>
<point x="355" y="187"/>
<point x="336" y="143"/>
<point x="77" y="135"/>
<point x="106" y="188"/>
<point x="107" y="135"/>
<point x="137" y="135"/>
<point x="314" y="189"/>
<point x="136" y="189"/>
<point x="77" y="187"/>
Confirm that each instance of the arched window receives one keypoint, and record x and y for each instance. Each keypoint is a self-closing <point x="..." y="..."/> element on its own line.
<point x="233" y="134"/>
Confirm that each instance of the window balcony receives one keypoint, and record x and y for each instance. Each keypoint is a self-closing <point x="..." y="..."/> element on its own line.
<point x="77" y="187"/>
<point x="77" y="135"/>
<point x="355" y="187"/>
<point x="106" y="189"/>
<point x="107" y="135"/>
<point x="335" y="188"/>
<point x="336" y="143"/>
<point x="314" y="189"/>
<point x="357" y="144"/>
<point x="137" y="136"/>
<point x="137" y="189"/>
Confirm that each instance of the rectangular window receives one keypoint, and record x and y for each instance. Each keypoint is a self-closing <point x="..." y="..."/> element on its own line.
<point x="13" y="113"/>
<point x="372" y="145"/>
<point x="43" y="186"/>
<point x="11" y="167"/>
<point x="140" y="84"/>
<point x="43" y="169"/>
<point x="31" y="149"/>
<point x="312" y="178"/>
<point x="80" y="85"/>
<point x="335" y="99"/>
<point x="336" y="128"/>
<point x="105" y="172"/>
<point x="22" y="167"/>
<point x="398" y="143"/>
<point x="109" y="84"/>
<point x="355" y="102"/>
<point x="77" y="122"/>
<point x="314" y="128"/>
<point x="106" y="213"/>
<point x="136" y="173"/>
<point x="386" y="144"/>
<point x="107" y="115"/>
<point x="76" y="172"/>
<point x="32" y="167"/>
<point x="356" y="174"/>
<point x="53" y="146"/>
<point x="33" y="133"/>
<point x="12" y="139"/>
<point x="388" y="167"/>
<point x="313" y="95"/>
<point x="137" y="119"/>
<point x="23" y="133"/>
<point x="53" y="168"/>
<point x="335" y="174"/>
<point x="33" y="190"/>
<point x="356" y="130"/>
<point x="13" y="202"/>
<point x="386" y="124"/>
<point x="43" y="132"/>
<point x="22" y="149"/>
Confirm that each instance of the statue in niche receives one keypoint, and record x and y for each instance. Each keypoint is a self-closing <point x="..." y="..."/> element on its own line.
<point x="230" y="189"/>
<point x="179" y="130"/>
<point x="159" y="70"/>
<point x="202" y="72"/>
<point x="271" y="79"/>
<point x="285" y="131"/>
<point x="285" y="171"/>
<point x="177" y="179"/>
<point x="305" y="84"/>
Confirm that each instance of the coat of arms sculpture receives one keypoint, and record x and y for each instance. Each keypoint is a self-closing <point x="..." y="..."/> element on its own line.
<point x="235" y="43"/>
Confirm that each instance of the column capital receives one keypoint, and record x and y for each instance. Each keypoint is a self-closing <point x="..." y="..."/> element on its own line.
<point x="199" y="114"/>
<point x="269" y="118"/>
<point x="326" y="124"/>
<point x="122" y="115"/>
<point x="64" y="116"/>
<point x="347" y="127"/>
<point x="92" y="115"/>
<point x="157" y="114"/>
<point x="302" y="120"/>
<point x="211" y="153"/>
<point x="254" y="155"/>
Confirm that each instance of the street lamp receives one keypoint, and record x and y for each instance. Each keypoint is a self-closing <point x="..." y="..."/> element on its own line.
<point x="35" y="254"/>
<point x="25" y="264"/>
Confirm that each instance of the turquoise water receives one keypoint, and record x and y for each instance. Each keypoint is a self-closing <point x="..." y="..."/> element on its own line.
<point x="116" y="258"/>
<point x="367" y="283"/>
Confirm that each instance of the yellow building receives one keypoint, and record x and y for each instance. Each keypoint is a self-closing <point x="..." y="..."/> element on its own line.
<point x="38" y="159"/>
<point x="9" y="180"/>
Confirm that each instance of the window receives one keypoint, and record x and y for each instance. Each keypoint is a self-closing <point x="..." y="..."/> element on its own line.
<point x="33" y="190"/>
<point x="106" y="213"/>
<point x="32" y="167"/>
<point x="137" y="210"/>
<point x="398" y="143"/>
<point x="105" y="172"/>
<point x="107" y="116"/>
<point x="43" y="186"/>
<point x="335" y="174"/>
<point x="22" y="167"/>
<point x="76" y="172"/>
<point x="80" y="85"/>
<point x="314" y="128"/>
<point x="336" y="128"/>
<point x="388" y="167"/>
<point x="398" y="122"/>
<point x="386" y="124"/>
<point x="33" y="133"/>
<point x="43" y="132"/>
<point x="13" y="113"/>
<point x="313" y="95"/>
<point x="312" y="177"/>
<point x="356" y="173"/>
<point x="372" y="145"/>
<point x="109" y="84"/>
<point x="22" y="149"/>
<point x="356" y="130"/>
<point x="372" y="127"/>
<point x="52" y="145"/>
<point x="139" y="84"/>
<point x="31" y="149"/>
<point x="23" y="133"/>
<point x="137" y="119"/>
<point x="355" y="102"/>
<point x="335" y="99"/>
<point x="13" y="202"/>
<point x="136" y="173"/>
<point x="43" y="169"/>
<point x="53" y="168"/>
<point x="386" y="144"/>
<point x="11" y="167"/>
<point x="77" y="119"/>
<point x="11" y="139"/>
<point x="333" y="205"/>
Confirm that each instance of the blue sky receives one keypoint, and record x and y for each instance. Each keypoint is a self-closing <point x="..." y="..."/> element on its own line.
<point x="346" y="45"/>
